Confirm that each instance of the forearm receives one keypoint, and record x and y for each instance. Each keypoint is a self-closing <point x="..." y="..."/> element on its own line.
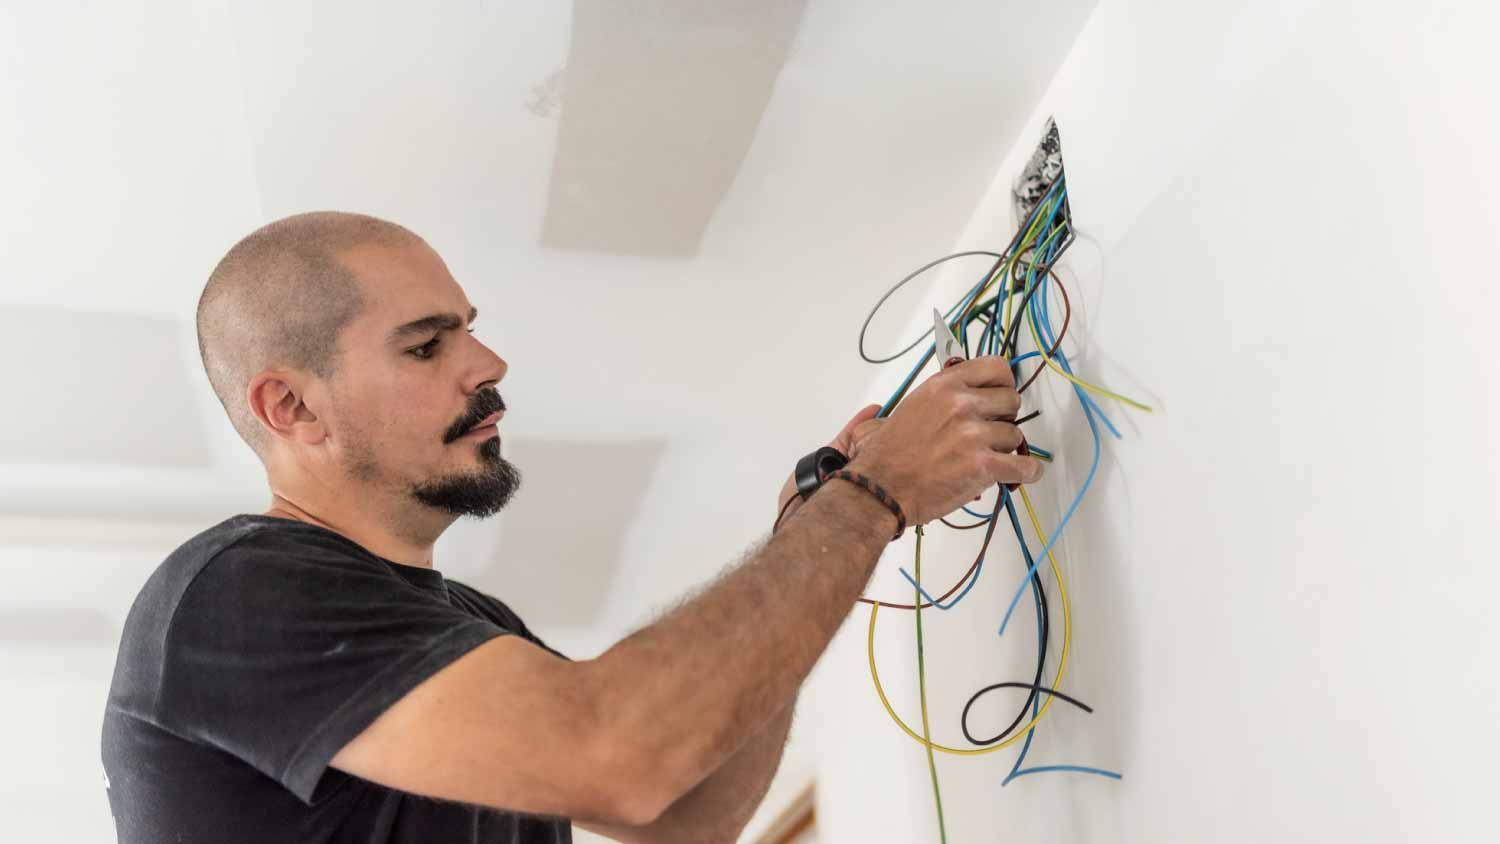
<point x="717" y="809"/>
<point x="716" y="669"/>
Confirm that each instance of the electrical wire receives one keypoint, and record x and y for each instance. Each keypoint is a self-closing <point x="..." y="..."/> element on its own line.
<point x="1020" y="279"/>
<point x="1026" y="231"/>
<point x="1062" y="665"/>
<point x="1016" y="769"/>
<point x="1067" y="318"/>
<point x="1043" y="627"/>
<point x="937" y="794"/>
<point x="779" y="516"/>
<point x="902" y="283"/>
<point x="973" y="571"/>
<point x="973" y="294"/>
<point x="1042" y="454"/>
<point x="1078" y="381"/>
<point x="1088" y="413"/>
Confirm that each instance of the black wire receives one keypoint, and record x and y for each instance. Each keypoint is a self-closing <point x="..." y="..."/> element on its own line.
<point x="1035" y="689"/>
<point x="1043" y="629"/>
<point x="1006" y="349"/>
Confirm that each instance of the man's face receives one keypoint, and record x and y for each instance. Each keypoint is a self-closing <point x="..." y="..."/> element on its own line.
<point x="406" y="400"/>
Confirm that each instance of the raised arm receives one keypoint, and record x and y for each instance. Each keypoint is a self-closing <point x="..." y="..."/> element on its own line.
<point x="619" y="738"/>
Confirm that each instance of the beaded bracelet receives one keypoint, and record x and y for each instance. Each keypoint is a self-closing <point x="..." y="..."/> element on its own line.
<point x="879" y="492"/>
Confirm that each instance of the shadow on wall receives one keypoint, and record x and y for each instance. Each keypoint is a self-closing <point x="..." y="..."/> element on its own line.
<point x="564" y="533"/>
<point x="661" y="100"/>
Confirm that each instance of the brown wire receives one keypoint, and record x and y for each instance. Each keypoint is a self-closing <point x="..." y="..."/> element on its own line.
<point x="779" y="516"/>
<point x="999" y="500"/>
<point x="1067" y="317"/>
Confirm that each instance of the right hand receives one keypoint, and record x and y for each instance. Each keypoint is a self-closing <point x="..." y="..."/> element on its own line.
<point x="949" y="440"/>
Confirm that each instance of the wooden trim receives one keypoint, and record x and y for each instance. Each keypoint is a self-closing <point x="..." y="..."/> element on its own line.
<point x="797" y="818"/>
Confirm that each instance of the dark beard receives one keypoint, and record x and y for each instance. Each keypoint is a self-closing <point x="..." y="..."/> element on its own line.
<point x="482" y="493"/>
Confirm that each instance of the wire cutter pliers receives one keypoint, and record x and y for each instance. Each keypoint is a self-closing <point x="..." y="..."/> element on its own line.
<point x="947" y="349"/>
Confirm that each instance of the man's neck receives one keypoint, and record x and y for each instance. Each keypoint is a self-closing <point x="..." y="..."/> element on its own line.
<point x="374" y="535"/>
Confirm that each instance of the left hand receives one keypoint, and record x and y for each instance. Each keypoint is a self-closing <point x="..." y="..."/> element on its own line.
<point x="862" y="425"/>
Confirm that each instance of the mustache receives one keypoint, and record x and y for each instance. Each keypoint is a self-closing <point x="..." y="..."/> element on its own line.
<point x="485" y="403"/>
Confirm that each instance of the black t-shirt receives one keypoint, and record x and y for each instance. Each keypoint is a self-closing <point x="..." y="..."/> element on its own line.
<point x="252" y="655"/>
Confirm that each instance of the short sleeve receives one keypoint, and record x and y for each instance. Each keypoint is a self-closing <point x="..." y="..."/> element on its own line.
<point x="280" y="652"/>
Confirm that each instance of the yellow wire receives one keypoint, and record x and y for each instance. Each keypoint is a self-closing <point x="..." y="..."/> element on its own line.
<point x="1042" y="349"/>
<point x="1000" y="271"/>
<point x="1062" y="661"/>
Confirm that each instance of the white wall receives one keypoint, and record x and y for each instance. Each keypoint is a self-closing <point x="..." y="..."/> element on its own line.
<point x="1283" y="577"/>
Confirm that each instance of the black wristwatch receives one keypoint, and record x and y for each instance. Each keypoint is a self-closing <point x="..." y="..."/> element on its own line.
<point x="815" y="468"/>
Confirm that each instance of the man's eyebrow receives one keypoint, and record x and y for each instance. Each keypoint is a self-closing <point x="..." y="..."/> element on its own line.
<point x="430" y="323"/>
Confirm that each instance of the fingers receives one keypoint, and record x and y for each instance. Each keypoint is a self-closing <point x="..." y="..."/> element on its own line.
<point x="997" y="403"/>
<point x="1002" y="436"/>
<point x="866" y="413"/>
<point x="856" y="428"/>
<point x="867" y="427"/>
<point x="984" y="371"/>
<point x="1015" y="468"/>
<point x="861" y="432"/>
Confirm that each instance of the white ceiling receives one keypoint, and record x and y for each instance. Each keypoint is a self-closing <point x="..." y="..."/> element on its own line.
<point x="671" y="215"/>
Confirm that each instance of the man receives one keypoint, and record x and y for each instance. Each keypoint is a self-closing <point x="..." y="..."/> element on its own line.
<point x="306" y="674"/>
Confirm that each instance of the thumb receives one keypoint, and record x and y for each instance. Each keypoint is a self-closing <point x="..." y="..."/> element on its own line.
<point x="845" y="439"/>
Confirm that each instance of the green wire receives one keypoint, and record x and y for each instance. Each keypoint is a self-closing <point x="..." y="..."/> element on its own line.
<point x="937" y="795"/>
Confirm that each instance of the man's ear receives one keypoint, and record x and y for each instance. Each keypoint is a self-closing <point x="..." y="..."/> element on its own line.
<point x="278" y="400"/>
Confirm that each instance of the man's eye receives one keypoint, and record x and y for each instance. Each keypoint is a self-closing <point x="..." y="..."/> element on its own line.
<point x="426" y="348"/>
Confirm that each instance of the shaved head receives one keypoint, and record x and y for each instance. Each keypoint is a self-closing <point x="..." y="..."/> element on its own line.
<point x="280" y="298"/>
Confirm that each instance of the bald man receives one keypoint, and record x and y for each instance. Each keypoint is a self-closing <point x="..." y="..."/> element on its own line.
<point x="307" y="674"/>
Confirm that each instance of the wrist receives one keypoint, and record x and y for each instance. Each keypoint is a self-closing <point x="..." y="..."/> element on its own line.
<point x="880" y="493"/>
<point x="857" y="509"/>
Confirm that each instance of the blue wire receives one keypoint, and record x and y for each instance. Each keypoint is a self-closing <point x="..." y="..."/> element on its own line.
<point x="1031" y="565"/>
<point x="1015" y="524"/>
<point x="1016" y="770"/>
<point x="1063" y="522"/>
<point x="1036" y="594"/>
<point x="1045" y="328"/>
<point x="979" y="569"/>
<point x="1044" y="768"/>
<point x="992" y="337"/>
<point x="885" y="409"/>
<point x="1036" y="449"/>
<point x="890" y="403"/>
